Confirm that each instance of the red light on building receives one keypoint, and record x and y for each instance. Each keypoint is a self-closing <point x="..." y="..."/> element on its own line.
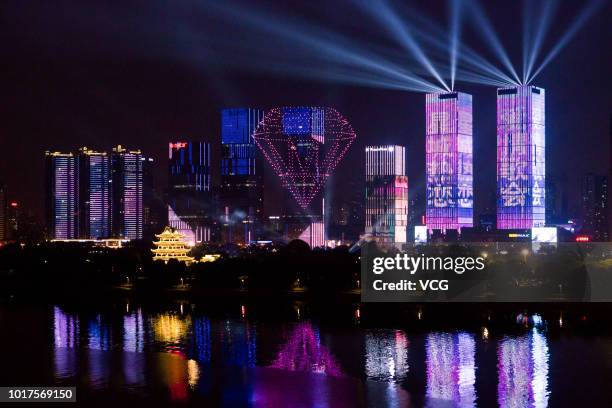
<point x="14" y="204"/>
<point x="583" y="238"/>
<point x="178" y="145"/>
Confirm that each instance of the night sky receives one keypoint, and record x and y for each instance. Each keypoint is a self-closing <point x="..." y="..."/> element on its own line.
<point x="144" y="73"/>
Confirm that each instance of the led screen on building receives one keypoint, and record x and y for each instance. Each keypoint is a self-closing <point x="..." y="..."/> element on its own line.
<point x="520" y="158"/>
<point x="449" y="161"/>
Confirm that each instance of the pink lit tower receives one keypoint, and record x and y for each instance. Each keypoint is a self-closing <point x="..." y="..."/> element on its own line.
<point x="448" y="149"/>
<point x="520" y="157"/>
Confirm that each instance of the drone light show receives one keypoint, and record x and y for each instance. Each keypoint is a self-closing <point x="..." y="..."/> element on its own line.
<point x="304" y="145"/>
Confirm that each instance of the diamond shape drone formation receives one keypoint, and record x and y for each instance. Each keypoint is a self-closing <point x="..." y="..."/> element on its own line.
<point x="304" y="145"/>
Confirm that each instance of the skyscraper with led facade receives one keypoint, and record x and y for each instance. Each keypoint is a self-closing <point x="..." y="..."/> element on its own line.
<point x="241" y="190"/>
<point x="62" y="195"/>
<point x="127" y="193"/>
<point x="190" y="207"/>
<point x="386" y="209"/>
<point x="520" y="158"/>
<point x="448" y="149"/>
<point x="94" y="194"/>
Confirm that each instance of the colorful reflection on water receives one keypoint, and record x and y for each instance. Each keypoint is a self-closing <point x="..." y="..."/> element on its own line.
<point x="189" y="350"/>
<point x="451" y="372"/>
<point x="386" y="354"/>
<point x="523" y="371"/>
<point x="303" y="352"/>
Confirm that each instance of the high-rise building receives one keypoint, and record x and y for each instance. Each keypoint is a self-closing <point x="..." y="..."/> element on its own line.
<point x="127" y="193"/>
<point x="448" y="149"/>
<point x="595" y="207"/>
<point x="155" y="210"/>
<point x="94" y="194"/>
<point x="521" y="202"/>
<point x="386" y="208"/>
<point x="62" y="195"/>
<point x="3" y="213"/>
<point x="241" y="190"/>
<point x="190" y="208"/>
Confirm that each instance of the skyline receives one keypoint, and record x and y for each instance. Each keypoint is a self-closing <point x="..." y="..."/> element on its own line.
<point x="87" y="99"/>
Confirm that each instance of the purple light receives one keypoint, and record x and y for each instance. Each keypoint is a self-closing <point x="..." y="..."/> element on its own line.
<point x="522" y="365"/>
<point x="451" y="370"/>
<point x="520" y="158"/>
<point x="449" y="161"/>
<point x="304" y="352"/>
<point x="304" y="146"/>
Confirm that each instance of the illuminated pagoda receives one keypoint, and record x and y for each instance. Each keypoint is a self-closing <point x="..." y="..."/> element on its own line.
<point x="171" y="245"/>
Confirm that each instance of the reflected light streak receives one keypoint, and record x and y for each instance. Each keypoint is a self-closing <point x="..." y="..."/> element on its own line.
<point x="133" y="332"/>
<point x="523" y="366"/>
<point x="451" y="370"/>
<point x="303" y="351"/>
<point x="66" y="337"/>
<point x="484" y="24"/>
<point x="170" y="328"/>
<point x="587" y="12"/>
<point x="386" y="355"/>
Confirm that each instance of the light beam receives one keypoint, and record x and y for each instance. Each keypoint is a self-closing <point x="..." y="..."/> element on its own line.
<point x="587" y="12"/>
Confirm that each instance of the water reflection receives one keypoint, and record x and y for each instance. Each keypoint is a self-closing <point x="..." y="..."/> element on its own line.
<point x="522" y="364"/>
<point x="303" y="351"/>
<point x="66" y="336"/>
<point x="451" y="370"/>
<point x="386" y="354"/>
<point x="239" y="344"/>
<point x="227" y="358"/>
<point x="171" y="330"/>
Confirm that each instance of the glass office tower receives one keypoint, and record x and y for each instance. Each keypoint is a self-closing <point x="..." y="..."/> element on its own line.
<point x="62" y="195"/>
<point x="520" y="158"/>
<point x="386" y="209"/>
<point x="241" y="190"/>
<point x="449" y="175"/>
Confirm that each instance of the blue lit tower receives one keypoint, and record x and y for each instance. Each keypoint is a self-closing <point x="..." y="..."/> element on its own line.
<point x="241" y="191"/>
<point x="448" y="160"/>
<point x="127" y="193"/>
<point x="62" y="195"/>
<point x="94" y="194"/>
<point x="521" y="165"/>
<point x="190" y="206"/>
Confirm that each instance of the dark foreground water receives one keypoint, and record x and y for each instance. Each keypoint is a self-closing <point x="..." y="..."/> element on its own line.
<point x="121" y="353"/>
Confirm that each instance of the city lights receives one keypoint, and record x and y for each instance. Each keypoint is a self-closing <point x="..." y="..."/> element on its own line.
<point x="304" y="146"/>
<point x="449" y="161"/>
<point x="521" y="158"/>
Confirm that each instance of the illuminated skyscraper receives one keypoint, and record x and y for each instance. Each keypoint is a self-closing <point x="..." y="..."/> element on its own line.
<point x="386" y="209"/>
<point x="595" y="207"/>
<point x="62" y="195"/>
<point x="520" y="158"/>
<point x="127" y="193"/>
<point x="449" y="161"/>
<point x="241" y="175"/>
<point x="190" y="209"/>
<point x="94" y="194"/>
